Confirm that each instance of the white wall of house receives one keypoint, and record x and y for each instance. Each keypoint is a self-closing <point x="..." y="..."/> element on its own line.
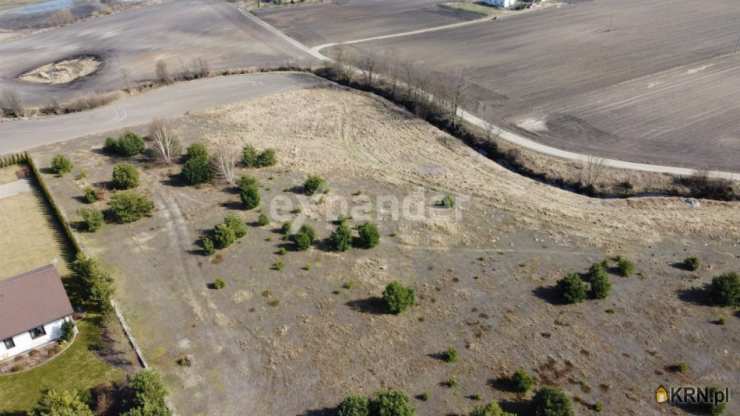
<point x="24" y="342"/>
<point x="501" y="3"/>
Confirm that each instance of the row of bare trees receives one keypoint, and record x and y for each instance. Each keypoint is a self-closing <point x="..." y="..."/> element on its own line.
<point x="197" y="68"/>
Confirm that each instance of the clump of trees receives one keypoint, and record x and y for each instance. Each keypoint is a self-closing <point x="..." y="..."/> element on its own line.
<point x="129" y="206"/>
<point x="398" y="298"/>
<point x="574" y="288"/>
<point x="724" y="290"/>
<point x="341" y="238"/>
<point x="147" y="395"/>
<point x="197" y="168"/>
<point x="61" y="165"/>
<point x="125" y="176"/>
<point x="383" y="403"/>
<point x="252" y="158"/>
<point x="224" y="235"/>
<point x="127" y="145"/>
<point x="599" y="279"/>
<point x="61" y="403"/>
<point x="314" y="184"/>
<point x="97" y="286"/>
<point x="167" y="145"/>
<point x="550" y="401"/>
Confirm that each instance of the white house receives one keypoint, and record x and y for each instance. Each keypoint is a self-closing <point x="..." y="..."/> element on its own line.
<point x="33" y="308"/>
<point x="501" y="3"/>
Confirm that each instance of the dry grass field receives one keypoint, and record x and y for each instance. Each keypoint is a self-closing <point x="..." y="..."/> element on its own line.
<point x="295" y="341"/>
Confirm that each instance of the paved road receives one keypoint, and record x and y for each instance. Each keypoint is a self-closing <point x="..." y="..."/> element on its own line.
<point x="166" y="102"/>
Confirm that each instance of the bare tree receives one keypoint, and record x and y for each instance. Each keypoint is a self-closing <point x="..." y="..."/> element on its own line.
<point x="593" y="168"/>
<point x="367" y="63"/>
<point x="166" y="142"/>
<point x="200" y="68"/>
<point x="11" y="104"/>
<point x="61" y="18"/>
<point x="226" y="155"/>
<point x="162" y="73"/>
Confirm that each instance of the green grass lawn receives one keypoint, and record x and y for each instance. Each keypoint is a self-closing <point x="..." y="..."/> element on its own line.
<point x="77" y="368"/>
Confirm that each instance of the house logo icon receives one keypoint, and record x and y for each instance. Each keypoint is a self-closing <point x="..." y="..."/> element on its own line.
<point x="661" y="394"/>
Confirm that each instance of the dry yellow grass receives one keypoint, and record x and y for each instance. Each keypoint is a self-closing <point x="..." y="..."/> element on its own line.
<point x="7" y="174"/>
<point x="28" y="238"/>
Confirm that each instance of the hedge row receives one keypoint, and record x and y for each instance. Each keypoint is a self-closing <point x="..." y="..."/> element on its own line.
<point x="14" y="159"/>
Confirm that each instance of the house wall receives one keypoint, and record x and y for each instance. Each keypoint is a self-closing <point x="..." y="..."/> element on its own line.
<point x="501" y="3"/>
<point x="23" y="342"/>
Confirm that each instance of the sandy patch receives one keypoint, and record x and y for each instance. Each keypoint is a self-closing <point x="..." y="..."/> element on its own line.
<point x="62" y="72"/>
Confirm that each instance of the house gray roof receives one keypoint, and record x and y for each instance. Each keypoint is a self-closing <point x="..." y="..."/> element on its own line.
<point x="31" y="299"/>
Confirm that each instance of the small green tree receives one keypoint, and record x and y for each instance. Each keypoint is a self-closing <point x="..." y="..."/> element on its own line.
<point x="551" y="402"/>
<point x="341" y="238"/>
<point x="304" y="238"/>
<point x="125" y="176"/>
<point x="147" y="395"/>
<point x="68" y="331"/>
<point x="90" y="196"/>
<point x="235" y="223"/>
<point x="249" y="156"/>
<point x="60" y="165"/>
<point x="691" y="263"/>
<point x="197" y="170"/>
<point x="572" y="288"/>
<point x="369" y="235"/>
<point x="313" y="185"/>
<point x="450" y="356"/>
<point x="96" y="284"/>
<point x="92" y="219"/>
<point x="223" y="236"/>
<point x="599" y="279"/>
<point x="521" y="382"/>
<point x="391" y="403"/>
<point x="129" y="206"/>
<point x="250" y="197"/>
<point x="130" y="144"/>
<point x="61" y="403"/>
<point x="263" y="220"/>
<point x="266" y="158"/>
<point x="398" y="298"/>
<point x="219" y="283"/>
<point x="354" y="406"/>
<point x="196" y="151"/>
<point x="491" y="409"/>
<point x="447" y="202"/>
<point x="246" y="181"/>
<point x="625" y="267"/>
<point x="208" y="246"/>
<point x="724" y="290"/>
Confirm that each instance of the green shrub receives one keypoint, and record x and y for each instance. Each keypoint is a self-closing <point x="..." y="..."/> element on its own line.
<point x="278" y="265"/>
<point x="196" y="151"/>
<point x="369" y="235"/>
<point x="491" y="409"/>
<point x="208" y="246"/>
<point x="313" y="185"/>
<point x="127" y="145"/>
<point x="249" y="156"/>
<point x="250" y="197"/>
<point x="572" y="288"/>
<point x="90" y="195"/>
<point x="391" y="403"/>
<point x="599" y="279"/>
<point x="197" y="170"/>
<point x="148" y="395"/>
<point x="551" y="402"/>
<point x="341" y="238"/>
<point x="521" y="382"/>
<point x="263" y="220"/>
<point x="61" y="403"/>
<point x="95" y="283"/>
<point x="68" y="331"/>
<point x="223" y="236"/>
<point x="60" y="165"/>
<point x="285" y="228"/>
<point x="724" y="290"/>
<point x="398" y="298"/>
<point x="447" y="202"/>
<point x="450" y="356"/>
<point x="236" y="224"/>
<point x="691" y="263"/>
<point x="354" y="406"/>
<point x="92" y="219"/>
<point x="246" y="181"/>
<point x="625" y="268"/>
<point x="125" y="176"/>
<point x="304" y="238"/>
<point x="128" y="206"/>
<point x="266" y="158"/>
<point x="219" y="283"/>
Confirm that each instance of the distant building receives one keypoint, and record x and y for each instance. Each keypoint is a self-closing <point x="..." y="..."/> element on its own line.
<point x="500" y="3"/>
<point x="33" y="308"/>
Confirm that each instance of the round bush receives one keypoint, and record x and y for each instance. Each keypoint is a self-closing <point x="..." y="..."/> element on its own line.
<point x="600" y="285"/>
<point x="223" y="236"/>
<point x="130" y="144"/>
<point x="236" y="224"/>
<point x="691" y="263"/>
<point x="61" y="165"/>
<point x="249" y="156"/>
<point x="208" y="247"/>
<point x="304" y="238"/>
<point x="125" y="176"/>
<point x="266" y="158"/>
<point x="724" y="290"/>
<point x="90" y="195"/>
<point x="625" y="268"/>
<point x="197" y="170"/>
<point x="572" y="288"/>
<point x="313" y="185"/>
<point x="250" y="197"/>
<point x="391" y="403"/>
<point x="369" y="235"/>
<point x="491" y="409"/>
<point x="263" y="220"/>
<point x="551" y="402"/>
<point x="92" y="219"/>
<point x="129" y="206"/>
<point x="341" y="238"/>
<point x="398" y="298"/>
<point x="521" y="382"/>
<point x="354" y="406"/>
<point x="196" y="151"/>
